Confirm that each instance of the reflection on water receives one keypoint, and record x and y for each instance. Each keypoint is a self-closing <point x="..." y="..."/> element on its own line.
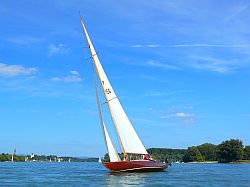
<point x="126" y="179"/>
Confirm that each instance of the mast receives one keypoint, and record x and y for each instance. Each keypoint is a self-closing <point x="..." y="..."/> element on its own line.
<point x="93" y="54"/>
<point x="129" y="140"/>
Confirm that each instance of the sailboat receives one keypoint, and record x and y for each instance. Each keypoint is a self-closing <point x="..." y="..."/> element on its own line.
<point x="136" y="157"/>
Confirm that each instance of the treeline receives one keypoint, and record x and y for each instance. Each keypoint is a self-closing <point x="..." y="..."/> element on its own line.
<point x="228" y="151"/>
<point x="160" y="154"/>
<point x="4" y="157"/>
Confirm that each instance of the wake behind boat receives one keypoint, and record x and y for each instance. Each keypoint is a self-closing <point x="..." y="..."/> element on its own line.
<point x="136" y="157"/>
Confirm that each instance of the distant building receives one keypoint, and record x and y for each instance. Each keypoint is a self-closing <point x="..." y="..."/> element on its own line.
<point x="14" y="153"/>
<point x="32" y="156"/>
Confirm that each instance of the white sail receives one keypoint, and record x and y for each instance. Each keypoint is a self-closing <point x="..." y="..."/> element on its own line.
<point x="128" y="137"/>
<point x="111" y="150"/>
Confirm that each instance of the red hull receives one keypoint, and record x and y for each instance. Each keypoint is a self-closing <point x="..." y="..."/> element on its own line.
<point x="135" y="165"/>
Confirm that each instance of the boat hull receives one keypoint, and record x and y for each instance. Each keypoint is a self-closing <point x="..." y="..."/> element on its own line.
<point x="135" y="166"/>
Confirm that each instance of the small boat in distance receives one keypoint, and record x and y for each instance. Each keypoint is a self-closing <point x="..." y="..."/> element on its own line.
<point x="136" y="157"/>
<point x="99" y="160"/>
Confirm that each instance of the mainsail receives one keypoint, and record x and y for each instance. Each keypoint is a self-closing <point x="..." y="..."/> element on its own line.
<point x="129" y="139"/>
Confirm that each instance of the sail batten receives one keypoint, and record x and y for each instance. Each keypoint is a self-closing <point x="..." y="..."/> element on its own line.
<point x="128" y="137"/>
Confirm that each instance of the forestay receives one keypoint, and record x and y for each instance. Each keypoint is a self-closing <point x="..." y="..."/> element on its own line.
<point x="111" y="150"/>
<point x="128" y="137"/>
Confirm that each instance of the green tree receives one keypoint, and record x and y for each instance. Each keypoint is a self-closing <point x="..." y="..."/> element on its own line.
<point x="208" y="151"/>
<point x="160" y="154"/>
<point x="230" y="150"/>
<point x="106" y="158"/>
<point x="121" y="155"/>
<point x="246" y="155"/>
<point x="5" y="157"/>
<point x="193" y="155"/>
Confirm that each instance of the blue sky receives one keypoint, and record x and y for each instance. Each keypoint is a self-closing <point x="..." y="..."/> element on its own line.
<point x="180" y="68"/>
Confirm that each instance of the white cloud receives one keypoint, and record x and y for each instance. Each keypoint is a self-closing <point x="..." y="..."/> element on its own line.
<point x="57" y="49"/>
<point x="178" y="115"/>
<point x="193" y="45"/>
<point x="15" y="70"/>
<point x="73" y="77"/>
<point x="161" y="65"/>
<point x="214" y="64"/>
<point x="212" y="45"/>
<point x="74" y="72"/>
<point x="69" y="78"/>
<point x="146" y="46"/>
<point x="25" y="40"/>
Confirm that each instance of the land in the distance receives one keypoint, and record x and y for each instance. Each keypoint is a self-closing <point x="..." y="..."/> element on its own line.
<point x="230" y="151"/>
<point x="5" y="157"/>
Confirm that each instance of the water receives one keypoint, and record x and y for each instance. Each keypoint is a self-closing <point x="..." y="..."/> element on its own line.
<point x="94" y="174"/>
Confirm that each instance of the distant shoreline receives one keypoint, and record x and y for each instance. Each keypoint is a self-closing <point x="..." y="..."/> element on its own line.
<point x="206" y="162"/>
<point x="240" y="162"/>
<point x="216" y="162"/>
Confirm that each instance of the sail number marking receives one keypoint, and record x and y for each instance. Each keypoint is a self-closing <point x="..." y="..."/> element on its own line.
<point x="108" y="91"/>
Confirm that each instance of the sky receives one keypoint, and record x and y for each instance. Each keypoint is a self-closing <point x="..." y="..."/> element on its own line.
<point x="181" y="70"/>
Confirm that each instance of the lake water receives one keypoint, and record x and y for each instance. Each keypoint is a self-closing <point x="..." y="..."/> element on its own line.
<point x="94" y="174"/>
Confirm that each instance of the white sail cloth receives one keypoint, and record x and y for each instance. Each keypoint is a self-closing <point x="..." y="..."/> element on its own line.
<point x="111" y="150"/>
<point x="128" y="137"/>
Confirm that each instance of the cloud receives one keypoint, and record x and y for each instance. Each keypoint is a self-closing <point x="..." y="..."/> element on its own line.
<point x="146" y="46"/>
<point x="213" y="64"/>
<point x="193" y="45"/>
<point x="73" y="77"/>
<point x="159" y="93"/>
<point x="212" y="45"/>
<point x="69" y="78"/>
<point x="161" y="65"/>
<point x="16" y="70"/>
<point x="57" y="49"/>
<point x="184" y="118"/>
<point x="74" y="72"/>
<point x="25" y="40"/>
<point x="178" y="115"/>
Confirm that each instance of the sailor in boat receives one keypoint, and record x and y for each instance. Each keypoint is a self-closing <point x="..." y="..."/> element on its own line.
<point x="128" y="138"/>
<point x="147" y="157"/>
<point x="168" y="161"/>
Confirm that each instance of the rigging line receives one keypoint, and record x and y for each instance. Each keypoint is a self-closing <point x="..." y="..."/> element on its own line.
<point x="103" y="115"/>
<point x="99" y="107"/>
<point x="88" y="58"/>
<point x="92" y="51"/>
<point x="101" y="118"/>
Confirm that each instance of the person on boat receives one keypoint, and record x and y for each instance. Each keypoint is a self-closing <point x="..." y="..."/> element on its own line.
<point x="168" y="161"/>
<point x="147" y="157"/>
